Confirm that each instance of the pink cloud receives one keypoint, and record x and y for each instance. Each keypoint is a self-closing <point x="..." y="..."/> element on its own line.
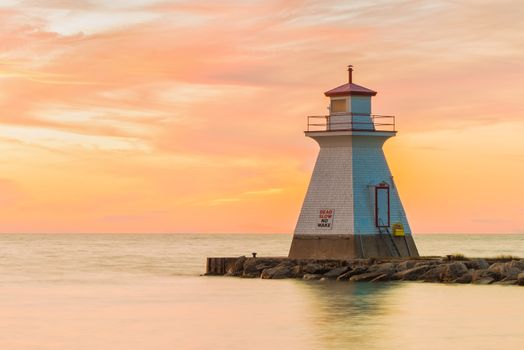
<point x="200" y="103"/>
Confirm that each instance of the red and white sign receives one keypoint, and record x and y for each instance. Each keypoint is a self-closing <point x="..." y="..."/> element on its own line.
<point x="325" y="218"/>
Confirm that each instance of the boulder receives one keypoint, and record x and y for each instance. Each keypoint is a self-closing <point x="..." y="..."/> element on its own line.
<point x="480" y="274"/>
<point x="282" y="270"/>
<point x="519" y="264"/>
<point x="510" y="269"/>
<point x="454" y="270"/>
<point x="251" y="274"/>
<point x="237" y="268"/>
<point x="499" y="268"/>
<point x="336" y="272"/>
<point x="520" y="279"/>
<point x="406" y="265"/>
<point x="250" y="266"/>
<point x="422" y="263"/>
<point x="427" y="263"/>
<point x="311" y="276"/>
<point x="387" y="268"/>
<point x="465" y="278"/>
<point x="382" y="278"/>
<point x="512" y="273"/>
<point x="346" y="275"/>
<point x="412" y="274"/>
<point x="477" y="264"/>
<point x="254" y="266"/>
<point x="314" y="268"/>
<point x="368" y="276"/>
<point x="356" y="271"/>
<point x="507" y="282"/>
<point x="330" y="266"/>
<point x="484" y="280"/>
<point x="482" y="264"/>
<point x="297" y="271"/>
<point x="434" y="274"/>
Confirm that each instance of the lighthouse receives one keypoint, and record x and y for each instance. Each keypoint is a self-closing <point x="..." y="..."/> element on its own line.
<point x="352" y="207"/>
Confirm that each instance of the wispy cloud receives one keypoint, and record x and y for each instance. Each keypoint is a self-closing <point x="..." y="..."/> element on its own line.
<point x="268" y="191"/>
<point x="204" y="102"/>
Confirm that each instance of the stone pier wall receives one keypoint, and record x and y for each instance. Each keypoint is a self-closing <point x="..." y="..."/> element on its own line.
<point x="426" y="269"/>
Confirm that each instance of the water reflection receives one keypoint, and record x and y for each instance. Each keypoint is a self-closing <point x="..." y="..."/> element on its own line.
<point x="347" y="313"/>
<point x="395" y="315"/>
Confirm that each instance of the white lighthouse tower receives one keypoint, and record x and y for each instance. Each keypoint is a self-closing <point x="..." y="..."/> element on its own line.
<point x="352" y="207"/>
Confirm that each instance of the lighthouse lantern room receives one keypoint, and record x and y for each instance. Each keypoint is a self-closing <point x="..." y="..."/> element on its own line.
<point x="352" y="208"/>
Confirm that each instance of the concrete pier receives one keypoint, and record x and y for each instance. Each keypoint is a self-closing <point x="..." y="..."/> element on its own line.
<point x="219" y="266"/>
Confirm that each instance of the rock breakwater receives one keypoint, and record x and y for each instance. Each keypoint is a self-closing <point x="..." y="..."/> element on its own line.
<point x="430" y="269"/>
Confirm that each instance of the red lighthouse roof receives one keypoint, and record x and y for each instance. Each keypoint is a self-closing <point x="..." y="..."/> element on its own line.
<point x="350" y="88"/>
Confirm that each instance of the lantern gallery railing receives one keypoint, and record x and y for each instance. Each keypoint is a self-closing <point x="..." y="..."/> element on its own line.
<point x="351" y="122"/>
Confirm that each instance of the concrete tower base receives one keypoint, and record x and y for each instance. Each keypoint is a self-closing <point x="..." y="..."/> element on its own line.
<point x="333" y="246"/>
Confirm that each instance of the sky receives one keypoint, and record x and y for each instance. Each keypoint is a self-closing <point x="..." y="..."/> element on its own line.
<point x="188" y="116"/>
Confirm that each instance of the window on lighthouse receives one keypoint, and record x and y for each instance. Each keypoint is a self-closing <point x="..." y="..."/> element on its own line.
<point x="338" y="106"/>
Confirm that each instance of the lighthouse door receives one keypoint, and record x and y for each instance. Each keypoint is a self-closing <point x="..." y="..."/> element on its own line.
<point x="382" y="206"/>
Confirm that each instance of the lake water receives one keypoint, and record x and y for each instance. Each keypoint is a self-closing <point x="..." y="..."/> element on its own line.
<point x="144" y="292"/>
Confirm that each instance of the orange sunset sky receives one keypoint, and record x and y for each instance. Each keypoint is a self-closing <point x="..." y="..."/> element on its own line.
<point x="188" y="116"/>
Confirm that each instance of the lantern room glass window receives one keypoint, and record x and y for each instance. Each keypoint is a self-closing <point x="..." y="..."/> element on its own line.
<point x="339" y="106"/>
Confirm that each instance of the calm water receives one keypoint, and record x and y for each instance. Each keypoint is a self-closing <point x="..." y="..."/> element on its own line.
<point x="144" y="292"/>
